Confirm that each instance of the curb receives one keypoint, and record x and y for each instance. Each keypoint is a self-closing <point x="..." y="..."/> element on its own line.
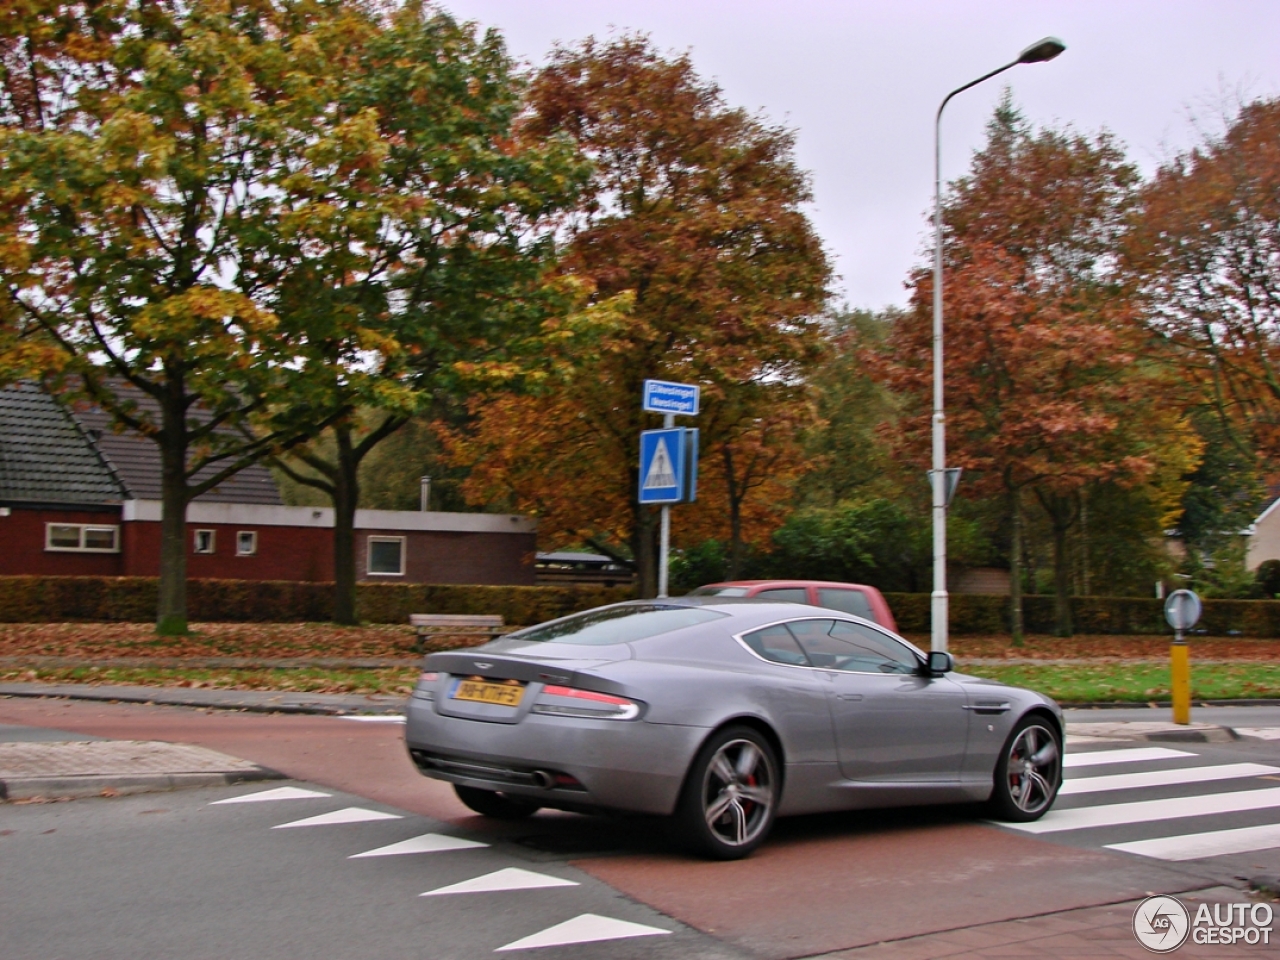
<point x="78" y="788"/>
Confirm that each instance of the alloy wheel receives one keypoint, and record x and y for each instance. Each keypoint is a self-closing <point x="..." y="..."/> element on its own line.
<point x="738" y="792"/>
<point x="1033" y="769"/>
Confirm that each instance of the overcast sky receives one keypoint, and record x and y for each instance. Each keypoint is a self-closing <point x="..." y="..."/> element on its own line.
<point x="860" y="80"/>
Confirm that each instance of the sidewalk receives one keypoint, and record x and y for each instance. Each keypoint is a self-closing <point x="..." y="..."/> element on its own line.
<point x="31" y="770"/>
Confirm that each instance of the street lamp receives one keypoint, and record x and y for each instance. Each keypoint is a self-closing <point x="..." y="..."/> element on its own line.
<point x="942" y="479"/>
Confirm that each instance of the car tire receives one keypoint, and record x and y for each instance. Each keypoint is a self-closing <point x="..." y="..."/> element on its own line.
<point x="499" y="806"/>
<point x="1029" y="772"/>
<point x="730" y="796"/>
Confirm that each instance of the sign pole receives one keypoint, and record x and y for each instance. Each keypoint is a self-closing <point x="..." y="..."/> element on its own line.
<point x="664" y="544"/>
<point x="1180" y="678"/>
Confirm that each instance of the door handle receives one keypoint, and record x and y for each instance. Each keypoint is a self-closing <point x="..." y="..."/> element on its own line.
<point x="849" y="696"/>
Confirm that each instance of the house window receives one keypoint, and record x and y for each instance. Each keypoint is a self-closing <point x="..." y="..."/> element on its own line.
<point x="81" y="538"/>
<point x="246" y="543"/>
<point x="386" y="556"/>
<point x="204" y="541"/>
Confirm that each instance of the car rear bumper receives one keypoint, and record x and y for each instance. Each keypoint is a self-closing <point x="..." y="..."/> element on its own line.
<point x="631" y="766"/>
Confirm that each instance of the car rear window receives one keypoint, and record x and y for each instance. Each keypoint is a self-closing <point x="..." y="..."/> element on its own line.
<point x="846" y="601"/>
<point x="785" y="594"/>
<point x="617" y="624"/>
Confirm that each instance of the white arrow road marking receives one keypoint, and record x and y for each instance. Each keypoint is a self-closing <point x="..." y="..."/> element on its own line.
<point x="345" y="815"/>
<point x="588" y="928"/>
<point x="1165" y="778"/>
<point x="427" y="843"/>
<point x="511" y="878"/>
<point x="1134" y="755"/>
<point x="1144" y="811"/>
<point x="279" y="793"/>
<point x="1193" y="846"/>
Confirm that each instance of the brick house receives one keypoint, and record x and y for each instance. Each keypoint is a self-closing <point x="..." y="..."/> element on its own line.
<point x="79" y="499"/>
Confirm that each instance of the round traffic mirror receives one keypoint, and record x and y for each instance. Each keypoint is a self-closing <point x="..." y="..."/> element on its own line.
<point x="1182" y="609"/>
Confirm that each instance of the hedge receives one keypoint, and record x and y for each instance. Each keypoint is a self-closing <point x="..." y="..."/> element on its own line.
<point x="980" y="614"/>
<point x="133" y="599"/>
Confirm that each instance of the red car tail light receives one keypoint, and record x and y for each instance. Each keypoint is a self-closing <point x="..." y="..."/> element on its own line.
<point x="588" y="704"/>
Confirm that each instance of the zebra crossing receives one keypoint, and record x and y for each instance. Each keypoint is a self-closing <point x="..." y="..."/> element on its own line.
<point x="1164" y="803"/>
<point x="584" y="928"/>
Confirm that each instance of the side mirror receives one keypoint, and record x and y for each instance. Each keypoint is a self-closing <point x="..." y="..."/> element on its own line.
<point x="940" y="662"/>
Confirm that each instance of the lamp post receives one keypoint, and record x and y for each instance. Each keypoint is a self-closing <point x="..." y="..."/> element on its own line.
<point x="940" y="476"/>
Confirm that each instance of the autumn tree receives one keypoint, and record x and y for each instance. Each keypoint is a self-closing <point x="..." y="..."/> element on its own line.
<point x="1206" y="254"/>
<point x="1045" y="391"/>
<point x="694" y="209"/>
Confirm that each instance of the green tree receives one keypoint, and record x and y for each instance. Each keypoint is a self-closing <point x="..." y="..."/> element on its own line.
<point x="143" y="150"/>
<point x="416" y="258"/>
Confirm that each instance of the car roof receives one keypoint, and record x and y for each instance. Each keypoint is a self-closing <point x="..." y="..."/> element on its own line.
<point x="789" y="583"/>
<point x="750" y="611"/>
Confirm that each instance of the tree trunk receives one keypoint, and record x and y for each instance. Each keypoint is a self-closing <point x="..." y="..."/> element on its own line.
<point x="346" y="498"/>
<point x="646" y="552"/>
<point x="737" y="493"/>
<point x="1015" y="569"/>
<point x="171" y="613"/>
<point x="1062" y="625"/>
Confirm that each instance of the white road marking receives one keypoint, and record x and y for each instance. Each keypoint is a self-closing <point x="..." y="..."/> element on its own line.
<point x="279" y="793"/>
<point x="370" y="719"/>
<point x="1145" y="811"/>
<point x="1164" y="778"/>
<point x="1262" y="733"/>
<point x="345" y="815"/>
<point x="427" y="843"/>
<point x="1132" y="755"/>
<point x="510" y="878"/>
<point x="1194" y="846"/>
<point x="587" y="928"/>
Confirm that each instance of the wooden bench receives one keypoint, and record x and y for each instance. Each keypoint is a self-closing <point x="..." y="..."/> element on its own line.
<point x="430" y="625"/>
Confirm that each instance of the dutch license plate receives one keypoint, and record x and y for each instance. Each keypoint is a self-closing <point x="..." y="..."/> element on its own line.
<point x="481" y="691"/>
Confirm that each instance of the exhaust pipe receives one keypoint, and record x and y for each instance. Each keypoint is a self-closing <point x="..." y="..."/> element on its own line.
<point x="543" y="779"/>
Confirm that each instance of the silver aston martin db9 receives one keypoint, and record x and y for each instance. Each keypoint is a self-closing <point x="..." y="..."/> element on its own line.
<point x="725" y="714"/>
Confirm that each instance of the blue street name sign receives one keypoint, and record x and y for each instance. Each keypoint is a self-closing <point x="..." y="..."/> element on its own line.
<point x="668" y="465"/>
<point x="678" y="398"/>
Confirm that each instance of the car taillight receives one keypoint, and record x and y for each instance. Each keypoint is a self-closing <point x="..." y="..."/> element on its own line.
<point x="573" y="702"/>
<point x="426" y="680"/>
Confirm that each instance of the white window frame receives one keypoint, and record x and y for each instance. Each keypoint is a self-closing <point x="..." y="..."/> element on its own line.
<point x="370" y="541"/>
<point x="82" y="528"/>
<point x="213" y="542"/>
<point x="253" y="543"/>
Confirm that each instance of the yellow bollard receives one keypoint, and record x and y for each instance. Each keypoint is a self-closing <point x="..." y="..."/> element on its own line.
<point x="1180" y="679"/>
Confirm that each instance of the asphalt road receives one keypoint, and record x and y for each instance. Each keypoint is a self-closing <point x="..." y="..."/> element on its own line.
<point x="219" y="880"/>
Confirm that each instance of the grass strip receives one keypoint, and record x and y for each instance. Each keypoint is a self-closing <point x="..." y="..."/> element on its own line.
<point x="1077" y="683"/>
<point x="1136" y="683"/>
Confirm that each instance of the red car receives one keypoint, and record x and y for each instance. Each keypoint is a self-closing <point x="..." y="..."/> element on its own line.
<point x="856" y="598"/>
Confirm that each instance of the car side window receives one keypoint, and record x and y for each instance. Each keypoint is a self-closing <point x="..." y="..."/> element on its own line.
<point x="836" y="645"/>
<point x="786" y="594"/>
<point x="776" y="644"/>
<point x="874" y="652"/>
<point x="846" y="601"/>
<point x="814" y="638"/>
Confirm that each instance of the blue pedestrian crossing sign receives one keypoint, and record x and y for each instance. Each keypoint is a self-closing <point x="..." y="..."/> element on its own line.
<point x="669" y="465"/>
